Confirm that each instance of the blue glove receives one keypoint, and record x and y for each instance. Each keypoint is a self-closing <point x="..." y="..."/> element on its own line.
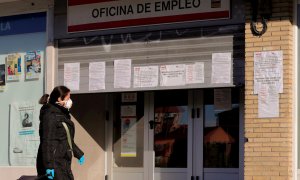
<point x="50" y="173"/>
<point x="81" y="160"/>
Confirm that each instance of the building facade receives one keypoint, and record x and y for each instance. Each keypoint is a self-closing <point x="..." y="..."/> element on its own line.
<point x="269" y="150"/>
<point x="167" y="89"/>
<point x="23" y="36"/>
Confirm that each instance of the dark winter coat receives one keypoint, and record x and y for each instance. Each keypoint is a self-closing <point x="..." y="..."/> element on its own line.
<point x="54" y="151"/>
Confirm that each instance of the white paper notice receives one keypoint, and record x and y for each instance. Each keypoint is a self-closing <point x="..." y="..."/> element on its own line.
<point x="145" y="76"/>
<point x="222" y="99"/>
<point x="128" y="111"/>
<point x="172" y="75"/>
<point x="268" y="70"/>
<point x="72" y="76"/>
<point x="194" y="73"/>
<point x="221" y="68"/>
<point x="128" y="137"/>
<point x="268" y="102"/>
<point x="129" y="97"/>
<point x="96" y="76"/>
<point x="122" y="73"/>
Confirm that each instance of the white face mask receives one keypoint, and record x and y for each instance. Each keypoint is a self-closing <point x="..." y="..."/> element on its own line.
<point x="68" y="103"/>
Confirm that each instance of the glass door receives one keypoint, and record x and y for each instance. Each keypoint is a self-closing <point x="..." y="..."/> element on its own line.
<point x="195" y="134"/>
<point x="170" y="134"/>
<point x="176" y="135"/>
<point x="129" y="137"/>
<point x="221" y="134"/>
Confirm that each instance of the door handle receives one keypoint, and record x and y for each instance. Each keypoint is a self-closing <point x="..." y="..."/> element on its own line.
<point x="193" y="113"/>
<point x="198" y="112"/>
<point x="152" y="123"/>
<point x="192" y="177"/>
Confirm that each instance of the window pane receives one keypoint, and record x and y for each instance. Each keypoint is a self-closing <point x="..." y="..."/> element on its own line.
<point x="221" y="134"/>
<point x="128" y="145"/>
<point x="170" y="132"/>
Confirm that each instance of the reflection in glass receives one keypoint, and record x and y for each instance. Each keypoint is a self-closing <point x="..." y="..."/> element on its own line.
<point x="170" y="136"/>
<point x="171" y="129"/>
<point x="221" y="136"/>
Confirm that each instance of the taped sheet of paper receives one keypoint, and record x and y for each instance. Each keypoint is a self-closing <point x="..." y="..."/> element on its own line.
<point x="268" y="70"/>
<point x="72" y="76"/>
<point x="122" y="73"/>
<point x="172" y="75"/>
<point x="268" y="102"/>
<point x="145" y="76"/>
<point x="221" y="68"/>
<point x="195" y="73"/>
<point x="96" y="76"/>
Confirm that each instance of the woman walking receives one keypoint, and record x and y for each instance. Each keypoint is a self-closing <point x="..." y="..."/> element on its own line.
<point x="57" y="136"/>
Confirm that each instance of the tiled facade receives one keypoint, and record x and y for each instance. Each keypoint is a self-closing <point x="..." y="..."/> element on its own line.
<point x="268" y="152"/>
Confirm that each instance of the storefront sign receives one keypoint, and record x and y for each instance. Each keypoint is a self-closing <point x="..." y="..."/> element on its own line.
<point x="21" y="24"/>
<point x="85" y="15"/>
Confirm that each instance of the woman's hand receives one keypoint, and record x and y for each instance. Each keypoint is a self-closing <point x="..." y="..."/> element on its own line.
<point x="50" y="173"/>
<point x="81" y="160"/>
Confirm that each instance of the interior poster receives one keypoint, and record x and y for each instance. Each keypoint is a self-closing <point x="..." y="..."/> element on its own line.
<point x="128" y="131"/>
<point x="13" y="67"/>
<point x="33" y="65"/>
<point x="222" y="99"/>
<point x="268" y="70"/>
<point x="24" y="134"/>
<point x="2" y="77"/>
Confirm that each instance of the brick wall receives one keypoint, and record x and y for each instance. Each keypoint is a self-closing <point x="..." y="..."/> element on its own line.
<point x="268" y="152"/>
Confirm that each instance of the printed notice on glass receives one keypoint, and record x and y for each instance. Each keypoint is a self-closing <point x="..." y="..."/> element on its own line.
<point x="122" y="73"/>
<point x="268" y="102"/>
<point x="96" y="76"/>
<point x="172" y="75"/>
<point x="268" y="70"/>
<point x="129" y="97"/>
<point x="194" y="73"/>
<point x="145" y="76"/>
<point x="24" y="133"/>
<point x="129" y="110"/>
<point x="221" y="68"/>
<point x="72" y="76"/>
<point x="128" y="137"/>
<point x="222" y="99"/>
